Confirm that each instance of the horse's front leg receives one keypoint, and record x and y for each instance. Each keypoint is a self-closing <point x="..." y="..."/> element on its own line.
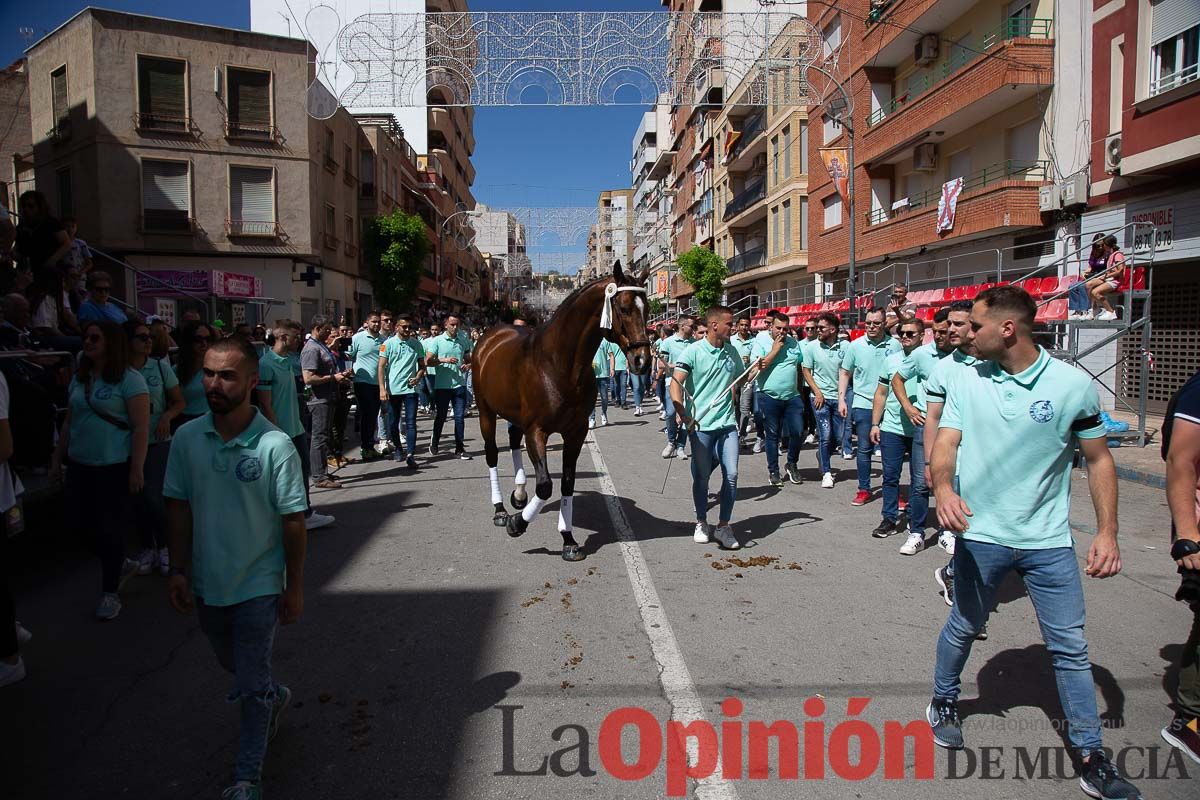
<point x="487" y="429"/>
<point x="519" y="496"/>
<point x="518" y="524"/>
<point x="572" y="445"/>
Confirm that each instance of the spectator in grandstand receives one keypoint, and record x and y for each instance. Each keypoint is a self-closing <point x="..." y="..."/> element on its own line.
<point x="193" y="344"/>
<point x="1078" y="297"/>
<point x="41" y="240"/>
<point x="98" y="306"/>
<point x="76" y="265"/>
<point x="105" y="436"/>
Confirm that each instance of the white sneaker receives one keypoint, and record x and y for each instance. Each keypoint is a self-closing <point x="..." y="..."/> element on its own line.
<point x="109" y="608"/>
<point x="668" y="451"/>
<point x="603" y="420"/>
<point x="913" y="545"/>
<point x="946" y="541"/>
<point x="662" y="415"/>
<point x="1106" y="316"/>
<point x="758" y="445"/>
<point x="23" y="636"/>
<point x="146" y="561"/>
<point x="637" y="412"/>
<point x="381" y="448"/>
<point x="827" y="480"/>
<point x="318" y="520"/>
<point x="726" y="539"/>
<point x="810" y="439"/>
<point x="11" y="673"/>
<point x="1086" y="315"/>
<point x="848" y="456"/>
<point x="701" y="534"/>
<point x="682" y="453"/>
<point x="164" y="560"/>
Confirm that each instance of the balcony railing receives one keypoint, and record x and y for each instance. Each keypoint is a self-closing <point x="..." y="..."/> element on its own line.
<point x="246" y="227"/>
<point x="331" y="164"/>
<point x="350" y="249"/>
<point x="749" y="132"/>
<point x="1005" y="170"/>
<point x="960" y="58"/>
<point x="60" y="132"/>
<point x="161" y="123"/>
<point x="747" y="260"/>
<point x="1169" y="80"/>
<point x="755" y="190"/>
<point x="349" y="178"/>
<point x="330" y="241"/>
<point x="236" y="129"/>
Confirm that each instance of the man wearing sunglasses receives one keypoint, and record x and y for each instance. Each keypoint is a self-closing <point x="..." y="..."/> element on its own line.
<point x="863" y="363"/>
<point x="98" y="307"/>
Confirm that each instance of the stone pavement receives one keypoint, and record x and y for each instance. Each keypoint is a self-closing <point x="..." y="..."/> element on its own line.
<point x="438" y="658"/>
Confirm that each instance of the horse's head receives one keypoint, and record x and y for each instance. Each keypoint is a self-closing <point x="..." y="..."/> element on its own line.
<point x="628" y="329"/>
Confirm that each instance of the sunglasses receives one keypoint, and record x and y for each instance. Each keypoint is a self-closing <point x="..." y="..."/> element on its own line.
<point x="872" y="324"/>
<point x="908" y="334"/>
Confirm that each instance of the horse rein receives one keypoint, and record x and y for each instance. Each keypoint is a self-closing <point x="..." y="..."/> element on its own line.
<point x="606" y="313"/>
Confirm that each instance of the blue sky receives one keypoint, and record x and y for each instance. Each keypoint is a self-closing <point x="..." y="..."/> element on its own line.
<point x="529" y="156"/>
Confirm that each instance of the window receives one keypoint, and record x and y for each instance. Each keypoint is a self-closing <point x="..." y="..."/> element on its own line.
<point x="58" y="100"/>
<point x="960" y="165"/>
<point x="775" y="231"/>
<point x="831" y="36"/>
<point x="249" y="104"/>
<point x="803" y="148"/>
<point x="833" y="128"/>
<point x="786" y="211"/>
<point x="331" y="239"/>
<point x="804" y="223"/>
<point x="251" y="201"/>
<point x="366" y="172"/>
<point x="162" y="94"/>
<point x="1174" y="42"/>
<point x="66" y="197"/>
<point x="774" y="161"/>
<point x="1024" y="144"/>
<point x="833" y="211"/>
<point x="330" y="161"/>
<point x="166" y="196"/>
<point x="347" y="158"/>
<point x="348" y="228"/>
<point x="787" y="151"/>
<point x="1019" y="18"/>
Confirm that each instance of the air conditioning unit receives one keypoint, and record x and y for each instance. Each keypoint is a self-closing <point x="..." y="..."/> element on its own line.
<point x="1049" y="198"/>
<point x="925" y="157"/>
<point x="1075" y="190"/>
<point x="925" y="51"/>
<point x="1112" y="154"/>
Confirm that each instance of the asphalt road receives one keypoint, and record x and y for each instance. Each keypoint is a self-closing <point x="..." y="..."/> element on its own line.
<point x="439" y="658"/>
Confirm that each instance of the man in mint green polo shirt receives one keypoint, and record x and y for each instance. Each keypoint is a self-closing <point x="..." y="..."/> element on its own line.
<point x="671" y="348"/>
<point x="705" y="372"/>
<point x="821" y="366"/>
<point x="401" y="371"/>
<point x="862" y="364"/>
<point x="779" y="403"/>
<point x="1011" y="424"/>
<point x="235" y="512"/>
<point x="450" y="352"/>
<point x="364" y="352"/>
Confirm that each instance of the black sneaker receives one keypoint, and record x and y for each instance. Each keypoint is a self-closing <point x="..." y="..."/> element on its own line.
<point x="942" y="716"/>
<point x="946" y="581"/>
<point x="983" y="634"/>
<point x="463" y="455"/>
<point x="775" y="480"/>
<point x="793" y="474"/>
<point x="1101" y="779"/>
<point x="411" y="463"/>
<point x="433" y="448"/>
<point x="885" y="529"/>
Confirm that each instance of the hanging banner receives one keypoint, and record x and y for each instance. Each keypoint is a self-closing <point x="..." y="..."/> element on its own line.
<point x="948" y="204"/>
<point x="837" y="162"/>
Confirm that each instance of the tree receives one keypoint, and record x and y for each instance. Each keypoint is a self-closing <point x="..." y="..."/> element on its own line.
<point x="395" y="249"/>
<point x="706" y="272"/>
<point x="656" y="306"/>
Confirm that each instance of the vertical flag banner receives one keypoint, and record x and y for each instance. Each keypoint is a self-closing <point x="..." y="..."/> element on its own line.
<point x="837" y="162"/>
<point x="948" y="204"/>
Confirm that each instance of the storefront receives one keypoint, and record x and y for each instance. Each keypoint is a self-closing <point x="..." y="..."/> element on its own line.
<point x="231" y="297"/>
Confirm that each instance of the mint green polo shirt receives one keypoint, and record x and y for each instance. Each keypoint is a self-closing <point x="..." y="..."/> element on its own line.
<point x="824" y="361"/>
<point x="744" y="348"/>
<point x="943" y="375"/>
<point x="622" y="363"/>
<point x="894" y="419"/>
<point x="95" y="441"/>
<point x="919" y="365"/>
<point x="195" y="402"/>
<point x="779" y="379"/>
<point x="1017" y="442"/>
<point x="238" y="491"/>
<point x="600" y="359"/>
<point x="447" y="346"/>
<point x="160" y="378"/>
<point x="427" y="346"/>
<point x="404" y="358"/>
<point x="864" y="361"/>
<point x="364" y="349"/>
<point x="672" y="347"/>
<point x="275" y="375"/>
<point x="710" y="370"/>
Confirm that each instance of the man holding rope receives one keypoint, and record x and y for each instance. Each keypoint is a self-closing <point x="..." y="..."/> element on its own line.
<point x="707" y="373"/>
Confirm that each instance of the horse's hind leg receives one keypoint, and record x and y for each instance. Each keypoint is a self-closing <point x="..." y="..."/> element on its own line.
<point x="572" y="445"/>
<point x="519" y="496"/>
<point x="487" y="428"/>
<point x="519" y="523"/>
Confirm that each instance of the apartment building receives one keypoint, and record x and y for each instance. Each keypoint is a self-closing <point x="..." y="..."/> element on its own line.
<point x="1145" y="154"/>
<point x="761" y="189"/>
<point x="17" y="144"/>
<point x="651" y="206"/>
<point x="176" y="147"/>
<point x="977" y="101"/>
<point x="611" y="238"/>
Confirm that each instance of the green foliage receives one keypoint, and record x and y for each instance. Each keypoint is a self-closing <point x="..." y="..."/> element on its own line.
<point x="656" y="306"/>
<point x="395" y="252"/>
<point x="706" y="272"/>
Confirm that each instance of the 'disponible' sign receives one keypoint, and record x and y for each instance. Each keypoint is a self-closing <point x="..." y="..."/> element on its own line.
<point x="1158" y="238"/>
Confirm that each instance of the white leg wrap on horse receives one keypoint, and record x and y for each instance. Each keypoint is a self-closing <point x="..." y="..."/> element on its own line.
<point x="494" y="480"/>
<point x="531" y="510"/>
<point x="518" y="467"/>
<point x="565" y="513"/>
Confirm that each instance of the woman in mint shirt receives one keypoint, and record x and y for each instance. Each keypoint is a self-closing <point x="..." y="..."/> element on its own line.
<point x="193" y="344"/>
<point x="148" y="356"/>
<point x="104" y="439"/>
<point x="602" y="368"/>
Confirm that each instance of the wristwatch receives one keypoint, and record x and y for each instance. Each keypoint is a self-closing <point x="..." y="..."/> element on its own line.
<point x="173" y="570"/>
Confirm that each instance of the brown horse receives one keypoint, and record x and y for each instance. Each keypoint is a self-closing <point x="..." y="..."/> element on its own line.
<point x="541" y="381"/>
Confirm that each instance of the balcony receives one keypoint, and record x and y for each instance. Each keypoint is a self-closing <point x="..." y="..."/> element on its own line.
<point x="755" y="192"/>
<point x="663" y="163"/>
<point x="350" y="249"/>
<point x="251" y="131"/>
<point x="904" y="21"/>
<point x="331" y="164"/>
<point x="161" y="123"/>
<point x="708" y="79"/>
<point x="330" y="241"/>
<point x="747" y="260"/>
<point x="1038" y="171"/>
<point x="349" y="178"/>
<point x="742" y="143"/>
<point x="251" y="228"/>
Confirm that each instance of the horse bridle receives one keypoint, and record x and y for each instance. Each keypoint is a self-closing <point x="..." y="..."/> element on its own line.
<point x="606" y="312"/>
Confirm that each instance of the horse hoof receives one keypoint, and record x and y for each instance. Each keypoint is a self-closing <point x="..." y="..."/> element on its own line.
<point x="572" y="552"/>
<point x="517" y="503"/>
<point x="501" y="519"/>
<point x="514" y="526"/>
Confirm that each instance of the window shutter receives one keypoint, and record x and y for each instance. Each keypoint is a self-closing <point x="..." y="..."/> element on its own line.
<point x="252" y="194"/>
<point x="161" y="89"/>
<point x="58" y="88"/>
<point x="1169" y="18"/>
<point x="165" y="185"/>
<point x="250" y="97"/>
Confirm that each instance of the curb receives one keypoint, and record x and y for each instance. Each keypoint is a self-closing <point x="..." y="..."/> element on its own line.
<point x="1151" y="479"/>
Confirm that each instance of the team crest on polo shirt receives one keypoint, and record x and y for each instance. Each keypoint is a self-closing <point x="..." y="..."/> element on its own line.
<point x="103" y="392"/>
<point x="248" y="469"/>
<point x="153" y="380"/>
<point x="1041" y="410"/>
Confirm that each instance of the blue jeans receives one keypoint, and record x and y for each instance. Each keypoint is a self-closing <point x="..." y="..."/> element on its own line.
<point x="860" y="418"/>
<point x="149" y="503"/>
<point x="1052" y="581"/>
<point x="242" y="635"/>
<point x="638" y="390"/>
<point x="304" y="449"/>
<point x="1078" y="298"/>
<point x="711" y="449"/>
<point x="602" y="384"/>
<point x="443" y="398"/>
<point x="675" y="435"/>
<point x="830" y="425"/>
<point x="660" y="390"/>
<point x="848" y="429"/>
<point x="428" y="393"/>
<point x="785" y="416"/>
<point x="893" y="448"/>
<point x="403" y="406"/>
<point x="620" y="380"/>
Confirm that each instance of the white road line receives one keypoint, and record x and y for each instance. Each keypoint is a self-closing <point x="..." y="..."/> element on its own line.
<point x="676" y="681"/>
